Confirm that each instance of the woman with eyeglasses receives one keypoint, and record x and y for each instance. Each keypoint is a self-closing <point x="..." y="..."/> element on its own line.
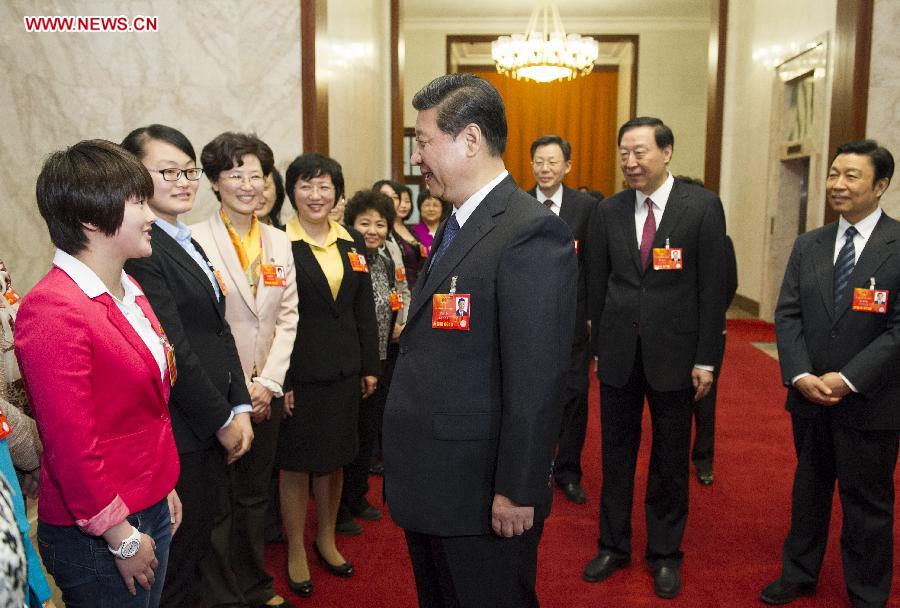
<point x="210" y="404"/>
<point x="257" y="266"/>
<point x="334" y="362"/>
<point x="98" y="370"/>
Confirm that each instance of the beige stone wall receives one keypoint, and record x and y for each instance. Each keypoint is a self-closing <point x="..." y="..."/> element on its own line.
<point x="883" y="118"/>
<point x="211" y="67"/>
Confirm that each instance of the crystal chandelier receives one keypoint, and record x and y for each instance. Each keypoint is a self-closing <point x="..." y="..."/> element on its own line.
<point x="544" y="55"/>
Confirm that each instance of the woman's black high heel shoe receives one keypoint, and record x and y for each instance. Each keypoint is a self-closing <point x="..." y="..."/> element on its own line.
<point x="345" y="570"/>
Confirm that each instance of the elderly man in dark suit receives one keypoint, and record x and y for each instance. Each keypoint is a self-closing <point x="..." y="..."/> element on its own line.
<point x="839" y="348"/>
<point x="658" y="318"/>
<point x="551" y="161"/>
<point x="473" y="410"/>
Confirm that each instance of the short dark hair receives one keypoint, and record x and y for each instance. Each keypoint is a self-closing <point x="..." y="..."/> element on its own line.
<point x="661" y="131"/>
<point x="687" y="179"/>
<point x="425" y="194"/>
<point x="366" y="200"/>
<point x="462" y="99"/>
<point x="135" y="141"/>
<point x="394" y="185"/>
<point x="546" y="140"/>
<point x="882" y="159"/>
<point x="310" y="165"/>
<point x="88" y="183"/>
<point x="227" y="150"/>
<point x="275" y="213"/>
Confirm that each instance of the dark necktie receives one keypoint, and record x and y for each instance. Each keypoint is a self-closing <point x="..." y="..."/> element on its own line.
<point x="450" y="232"/>
<point x="843" y="266"/>
<point x="548" y="202"/>
<point x="648" y="234"/>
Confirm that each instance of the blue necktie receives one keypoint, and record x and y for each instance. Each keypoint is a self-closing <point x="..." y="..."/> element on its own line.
<point x="843" y="266"/>
<point x="450" y="232"/>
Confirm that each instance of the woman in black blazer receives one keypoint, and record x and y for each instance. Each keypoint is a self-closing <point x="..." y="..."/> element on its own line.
<point x="334" y="362"/>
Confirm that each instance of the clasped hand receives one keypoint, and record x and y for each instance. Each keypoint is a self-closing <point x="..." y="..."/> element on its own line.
<point x="826" y="390"/>
<point x="510" y="519"/>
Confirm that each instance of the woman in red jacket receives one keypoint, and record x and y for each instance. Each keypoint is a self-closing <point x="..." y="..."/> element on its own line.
<point x="98" y="368"/>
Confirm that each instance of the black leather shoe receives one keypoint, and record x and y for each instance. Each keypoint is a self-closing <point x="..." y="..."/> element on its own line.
<point x="667" y="582"/>
<point x="705" y="477"/>
<point x="364" y="510"/>
<point x="783" y="592"/>
<point x="601" y="567"/>
<point x="344" y="570"/>
<point x="573" y="492"/>
<point x="348" y="528"/>
<point x="301" y="588"/>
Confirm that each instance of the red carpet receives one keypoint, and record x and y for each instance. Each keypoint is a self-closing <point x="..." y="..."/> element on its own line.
<point x="735" y="530"/>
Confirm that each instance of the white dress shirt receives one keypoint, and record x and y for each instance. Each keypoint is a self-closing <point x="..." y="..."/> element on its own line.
<point x="467" y="208"/>
<point x="555" y="200"/>
<point x="660" y="198"/>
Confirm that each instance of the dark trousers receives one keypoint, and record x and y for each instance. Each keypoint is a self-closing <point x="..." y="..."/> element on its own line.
<point x="253" y="473"/>
<point x="705" y="425"/>
<point x="201" y="473"/>
<point x="475" y="571"/>
<point x="567" y="466"/>
<point x="356" y="474"/>
<point x="862" y="463"/>
<point x="666" y="504"/>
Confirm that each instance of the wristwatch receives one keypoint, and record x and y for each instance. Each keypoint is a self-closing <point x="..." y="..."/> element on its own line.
<point x="129" y="546"/>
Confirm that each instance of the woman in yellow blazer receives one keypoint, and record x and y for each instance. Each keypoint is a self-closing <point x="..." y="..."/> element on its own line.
<point x="257" y="268"/>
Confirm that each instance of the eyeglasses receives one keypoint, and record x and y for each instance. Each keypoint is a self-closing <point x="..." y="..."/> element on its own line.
<point x="553" y="164"/>
<point x="173" y="175"/>
<point x="237" y="178"/>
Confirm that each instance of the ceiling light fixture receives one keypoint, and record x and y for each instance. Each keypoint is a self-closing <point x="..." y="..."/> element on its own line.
<point x="545" y="55"/>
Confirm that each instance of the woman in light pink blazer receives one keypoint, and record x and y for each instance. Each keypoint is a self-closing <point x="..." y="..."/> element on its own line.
<point x="98" y="369"/>
<point x="257" y="267"/>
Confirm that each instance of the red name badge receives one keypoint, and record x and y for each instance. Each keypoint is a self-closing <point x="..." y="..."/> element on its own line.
<point x="665" y="258"/>
<point x="5" y="428"/>
<point x="220" y="281"/>
<point x="358" y="262"/>
<point x="396" y="301"/>
<point x="576" y="245"/>
<point x="273" y="275"/>
<point x="400" y="273"/>
<point x="11" y="296"/>
<point x="870" y="300"/>
<point x="423" y="250"/>
<point x="450" y="311"/>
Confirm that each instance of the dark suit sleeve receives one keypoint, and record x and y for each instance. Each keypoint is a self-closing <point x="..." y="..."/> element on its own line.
<point x="731" y="280"/>
<point x="793" y="356"/>
<point x="874" y="364"/>
<point x="710" y="279"/>
<point x="536" y="291"/>
<point x="204" y="409"/>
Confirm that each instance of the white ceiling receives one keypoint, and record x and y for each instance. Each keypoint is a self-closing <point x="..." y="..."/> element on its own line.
<point x="617" y="9"/>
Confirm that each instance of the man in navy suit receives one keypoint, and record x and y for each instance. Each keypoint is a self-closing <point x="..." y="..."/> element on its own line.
<point x="838" y="347"/>
<point x="656" y="266"/>
<point x="473" y="411"/>
<point x="551" y="161"/>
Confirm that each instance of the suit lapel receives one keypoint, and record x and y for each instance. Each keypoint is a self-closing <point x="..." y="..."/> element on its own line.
<point x="566" y="212"/>
<point x="876" y="252"/>
<point x="230" y="259"/>
<point x="823" y="263"/>
<point x="625" y="214"/>
<point x="176" y="252"/>
<point x="476" y="227"/>
<point x="345" y="290"/>
<point x="675" y="208"/>
<point x="131" y="336"/>
<point x="309" y="265"/>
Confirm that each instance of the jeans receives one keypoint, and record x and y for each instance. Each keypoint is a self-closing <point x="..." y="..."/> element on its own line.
<point x="85" y="570"/>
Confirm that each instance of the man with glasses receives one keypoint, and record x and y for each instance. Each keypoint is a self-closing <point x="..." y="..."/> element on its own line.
<point x="551" y="161"/>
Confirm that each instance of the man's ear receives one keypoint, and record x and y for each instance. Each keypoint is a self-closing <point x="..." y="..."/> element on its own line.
<point x="473" y="137"/>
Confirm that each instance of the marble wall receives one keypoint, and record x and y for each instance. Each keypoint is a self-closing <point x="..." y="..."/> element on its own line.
<point x="210" y="67"/>
<point x="883" y="116"/>
<point x="674" y="90"/>
<point x="760" y="34"/>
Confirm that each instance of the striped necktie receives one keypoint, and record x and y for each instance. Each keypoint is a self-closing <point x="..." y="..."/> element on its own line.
<point x="450" y="232"/>
<point x="843" y="266"/>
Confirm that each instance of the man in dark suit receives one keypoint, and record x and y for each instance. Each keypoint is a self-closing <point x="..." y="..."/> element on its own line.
<point x="473" y="410"/>
<point x="658" y="318"/>
<point x="838" y="350"/>
<point x="205" y="402"/>
<point x="551" y="161"/>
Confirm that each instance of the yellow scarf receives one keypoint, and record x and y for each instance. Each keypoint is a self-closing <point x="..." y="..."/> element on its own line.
<point x="248" y="249"/>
